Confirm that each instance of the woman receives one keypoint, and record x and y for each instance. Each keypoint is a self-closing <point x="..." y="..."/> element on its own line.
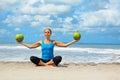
<point x="47" y="46"/>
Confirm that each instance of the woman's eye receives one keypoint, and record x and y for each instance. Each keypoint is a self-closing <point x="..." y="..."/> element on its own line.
<point x="47" y="32"/>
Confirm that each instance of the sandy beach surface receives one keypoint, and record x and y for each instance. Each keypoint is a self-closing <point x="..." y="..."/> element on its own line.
<point x="65" y="71"/>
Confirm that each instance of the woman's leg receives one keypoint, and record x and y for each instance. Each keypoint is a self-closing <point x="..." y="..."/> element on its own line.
<point x="51" y="62"/>
<point x="55" y="61"/>
<point x="41" y="63"/>
<point x="37" y="61"/>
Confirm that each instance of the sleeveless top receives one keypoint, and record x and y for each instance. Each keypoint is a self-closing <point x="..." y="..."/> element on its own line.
<point x="47" y="50"/>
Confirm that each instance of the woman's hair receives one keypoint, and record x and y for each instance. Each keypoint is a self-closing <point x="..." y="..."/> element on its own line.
<point x="48" y="29"/>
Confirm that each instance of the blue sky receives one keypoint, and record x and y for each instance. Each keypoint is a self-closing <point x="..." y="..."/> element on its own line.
<point x="98" y="21"/>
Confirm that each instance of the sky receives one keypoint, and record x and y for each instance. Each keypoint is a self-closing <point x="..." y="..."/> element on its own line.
<point x="98" y="21"/>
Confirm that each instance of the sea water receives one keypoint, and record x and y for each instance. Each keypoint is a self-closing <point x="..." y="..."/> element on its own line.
<point x="76" y="53"/>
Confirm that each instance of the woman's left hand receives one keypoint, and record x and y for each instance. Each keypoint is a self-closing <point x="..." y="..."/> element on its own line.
<point x="76" y="40"/>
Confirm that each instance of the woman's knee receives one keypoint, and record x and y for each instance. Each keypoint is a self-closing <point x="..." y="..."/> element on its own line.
<point x="35" y="60"/>
<point x="32" y="58"/>
<point x="57" y="60"/>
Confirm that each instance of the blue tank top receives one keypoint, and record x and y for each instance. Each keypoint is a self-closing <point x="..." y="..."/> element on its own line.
<point x="47" y="50"/>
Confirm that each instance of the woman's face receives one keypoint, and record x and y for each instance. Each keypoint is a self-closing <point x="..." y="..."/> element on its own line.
<point x="47" y="33"/>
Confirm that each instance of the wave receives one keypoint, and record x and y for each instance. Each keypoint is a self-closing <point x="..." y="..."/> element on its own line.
<point x="86" y="54"/>
<point x="12" y="47"/>
<point x="69" y="49"/>
<point x="91" y="50"/>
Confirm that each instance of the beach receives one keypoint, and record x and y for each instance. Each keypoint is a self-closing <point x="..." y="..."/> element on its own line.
<point x="65" y="71"/>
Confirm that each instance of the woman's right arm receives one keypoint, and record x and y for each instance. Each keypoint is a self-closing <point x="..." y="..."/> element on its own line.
<point x="35" y="45"/>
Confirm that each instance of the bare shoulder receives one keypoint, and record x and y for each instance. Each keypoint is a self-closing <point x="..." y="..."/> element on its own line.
<point x="56" y="42"/>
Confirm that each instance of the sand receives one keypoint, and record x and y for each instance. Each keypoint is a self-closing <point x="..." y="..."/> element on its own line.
<point x="65" y="71"/>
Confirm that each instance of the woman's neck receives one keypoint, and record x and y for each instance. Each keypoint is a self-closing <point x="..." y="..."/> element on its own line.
<point x="47" y="39"/>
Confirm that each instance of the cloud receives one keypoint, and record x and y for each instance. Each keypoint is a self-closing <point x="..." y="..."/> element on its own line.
<point x="101" y="17"/>
<point x="68" y="15"/>
<point x="17" y="29"/>
<point x="88" y="5"/>
<point x="100" y="20"/>
<point x="7" y="5"/>
<point x="39" y="21"/>
<point x="68" y="2"/>
<point x="68" y="20"/>
<point x="4" y="32"/>
<point x="64" y="25"/>
<point x="44" y="9"/>
<point x="17" y="20"/>
<point x="33" y="13"/>
<point x="40" y="7"/>
<point x="34" y="21"/>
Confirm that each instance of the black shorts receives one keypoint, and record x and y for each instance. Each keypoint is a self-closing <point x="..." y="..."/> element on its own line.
<point x="36" y="60"/>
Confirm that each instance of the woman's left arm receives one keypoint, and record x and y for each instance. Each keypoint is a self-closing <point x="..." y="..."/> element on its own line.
<point x="60" y="44"/>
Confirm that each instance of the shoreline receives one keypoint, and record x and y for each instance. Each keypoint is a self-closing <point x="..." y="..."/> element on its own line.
<point x="60" y="65"/>
<point x="64" y="62"/>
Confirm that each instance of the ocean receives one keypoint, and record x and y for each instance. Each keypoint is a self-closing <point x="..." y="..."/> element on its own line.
<point x="76" y="53"/>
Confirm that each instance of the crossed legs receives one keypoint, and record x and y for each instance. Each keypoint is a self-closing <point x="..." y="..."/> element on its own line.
<point x="40" y="62"/>
<point x="49" y="63"/>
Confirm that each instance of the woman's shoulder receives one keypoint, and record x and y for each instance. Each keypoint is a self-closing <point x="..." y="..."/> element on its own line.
<point x="55" y="41"/>
<point x="40" y="42"/>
